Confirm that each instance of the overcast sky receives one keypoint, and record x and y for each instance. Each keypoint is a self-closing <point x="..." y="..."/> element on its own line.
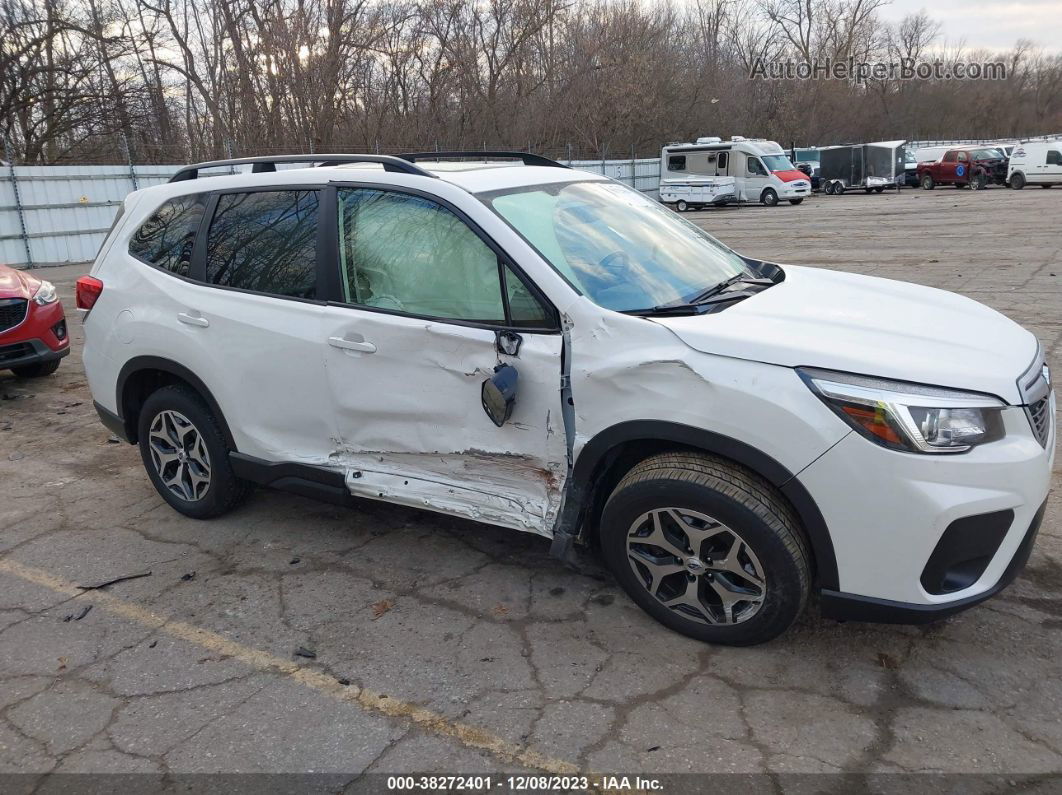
<point x="993" y="24"/>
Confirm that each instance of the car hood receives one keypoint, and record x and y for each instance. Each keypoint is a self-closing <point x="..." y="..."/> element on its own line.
<point x="871" y="326"/>
<point x="16" y="284"/>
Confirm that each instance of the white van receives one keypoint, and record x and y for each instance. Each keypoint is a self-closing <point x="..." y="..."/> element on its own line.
<point x="761" y="169"/>
<point x="1035" y="163"/>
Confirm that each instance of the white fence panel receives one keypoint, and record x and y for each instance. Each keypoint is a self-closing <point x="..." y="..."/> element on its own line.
<point x="61" y="214"/>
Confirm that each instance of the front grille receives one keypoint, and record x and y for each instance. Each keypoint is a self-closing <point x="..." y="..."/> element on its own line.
<point x="1040" y="419"/>
<point x="12" y="312"/>
<point x="9" y="353"/>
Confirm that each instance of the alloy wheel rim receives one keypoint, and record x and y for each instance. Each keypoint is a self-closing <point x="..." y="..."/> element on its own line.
<point x="179" y="455"/>
<point x="696" y="566"/>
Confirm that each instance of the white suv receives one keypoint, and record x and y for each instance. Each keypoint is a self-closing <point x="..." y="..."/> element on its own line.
<point x="545" y="349"/>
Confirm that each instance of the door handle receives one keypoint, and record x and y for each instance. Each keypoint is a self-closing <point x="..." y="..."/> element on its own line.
<point x="352" y="345"/>
<point x="193" y="320"/>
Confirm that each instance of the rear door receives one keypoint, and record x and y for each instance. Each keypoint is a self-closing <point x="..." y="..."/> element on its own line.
<point x="1053" y="167"/>
<point x="258" y="322"/>
<point x="425" y="309"/>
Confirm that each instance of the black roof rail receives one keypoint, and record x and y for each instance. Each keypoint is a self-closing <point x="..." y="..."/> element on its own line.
<point x="269" y="163"/>
<point x="527" y="158"/>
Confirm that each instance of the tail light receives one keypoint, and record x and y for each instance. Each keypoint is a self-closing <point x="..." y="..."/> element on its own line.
<point x="88" y="290"/>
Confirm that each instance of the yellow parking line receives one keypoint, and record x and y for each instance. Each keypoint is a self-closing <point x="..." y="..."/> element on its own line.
<point x="426" y="719"/>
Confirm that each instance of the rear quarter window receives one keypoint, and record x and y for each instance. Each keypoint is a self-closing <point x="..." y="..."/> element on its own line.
<point x="166" y="238"/>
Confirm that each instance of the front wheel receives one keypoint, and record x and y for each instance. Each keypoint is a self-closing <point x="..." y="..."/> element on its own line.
<point x="980" y="182"/>
<point x="707" y="548"/>
<point x="37" y="370"/>
<point x="879" y="190"/>
<point x="1017" y="181"/>
<point x="681" y="206"/>
<point x="796" y="201"/>
<point x="927" y="182"/>
<point x="769" y="198"/>
<point x="185" y="455"/>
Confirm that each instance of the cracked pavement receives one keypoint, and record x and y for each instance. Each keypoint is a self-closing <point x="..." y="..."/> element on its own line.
<point x="466" y="647"/>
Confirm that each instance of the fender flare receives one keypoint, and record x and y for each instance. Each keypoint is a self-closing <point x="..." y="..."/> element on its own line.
<point x="596" y="451"/>
<point x="138" y="363"/>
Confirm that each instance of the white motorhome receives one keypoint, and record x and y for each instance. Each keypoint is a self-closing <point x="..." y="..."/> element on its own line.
<point x="761" y="169"/>
<point x="1035" y="163"/>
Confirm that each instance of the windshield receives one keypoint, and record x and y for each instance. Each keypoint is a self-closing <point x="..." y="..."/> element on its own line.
<point x="986" y="154"/>
<point x="622" y="250"/>
<point x="776" y="162"/>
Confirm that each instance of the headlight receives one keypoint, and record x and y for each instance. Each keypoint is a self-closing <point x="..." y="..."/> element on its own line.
<point x="909" y="417"/>
<point x="45" y="294"/>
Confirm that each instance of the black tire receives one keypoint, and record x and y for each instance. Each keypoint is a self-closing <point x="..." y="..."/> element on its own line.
<point x="796" y="201"/>
<point x="223" y="490"/>
<point x="1046" y="185"/>
<point x="927" y="182"/>
<point x="1017" y="180"/>
<point x="37" y="370"/>
<point x="752" y="512"/>
<point x="769" y="198"/>
<point x="867" y="190"/>
<point x="980" y="182"/>
<point x="879" y="190"/>
<point x="681" y="206"/>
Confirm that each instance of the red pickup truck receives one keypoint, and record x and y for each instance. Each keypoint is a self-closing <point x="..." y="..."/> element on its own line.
<point x="973" y="166"/>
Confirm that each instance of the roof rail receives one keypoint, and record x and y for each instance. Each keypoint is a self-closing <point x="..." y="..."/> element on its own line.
<point x="527" y="158"/>
<point x="269" y="163"/>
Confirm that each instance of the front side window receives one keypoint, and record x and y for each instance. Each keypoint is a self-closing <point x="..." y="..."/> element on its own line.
<point x="1054" y="158"/>
<point x="621" y="249"/>
<point x="676" y="163"/>
<point x="166" y="238"/>
<point x="755" y="168"/>
<point x="962" y="157"/>
<point x="265" y="241"/>
<point x="408" y="254"/>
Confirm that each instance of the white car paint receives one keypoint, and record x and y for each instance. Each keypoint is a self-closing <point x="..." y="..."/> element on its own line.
<point x="404" y="424"/>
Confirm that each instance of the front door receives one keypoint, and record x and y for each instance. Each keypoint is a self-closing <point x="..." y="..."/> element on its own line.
<point x="425" y="299"/>
<point x="755" y="178"/>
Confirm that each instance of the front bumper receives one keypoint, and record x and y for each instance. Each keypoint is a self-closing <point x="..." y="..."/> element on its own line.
<point x="42" y="336"/>
<point x="892" y="514"/>
<point x="27" y="352"/>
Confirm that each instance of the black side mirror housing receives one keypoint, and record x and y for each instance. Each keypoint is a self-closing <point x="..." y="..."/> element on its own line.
<point x="499" y="394"/>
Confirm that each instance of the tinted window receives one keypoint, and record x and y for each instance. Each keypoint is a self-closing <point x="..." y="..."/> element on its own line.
<point x="409" y="254"/>
<point x="722" y="162"/>
<point x="676" y="163"/>
<point x="265" y="241"/>
<point x="949" y="157"/>
<point x="165" y="239"/>
<point x="1054" y="158"/>
<point x="755" y="168"/>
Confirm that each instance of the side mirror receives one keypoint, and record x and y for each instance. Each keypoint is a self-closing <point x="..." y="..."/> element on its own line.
<point x="499" y="394"/>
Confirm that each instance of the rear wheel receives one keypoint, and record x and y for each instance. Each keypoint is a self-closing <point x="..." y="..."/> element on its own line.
<point x="796" y="201"/>
<point x="879" y="190"/>
<point x="1017" y="180"/>
<point x="681" y="206"/>
<point x="1046" y="185"/>
<point x="37" y="370"/>
<point x="707" y="548"/>
<point x="769" y="197"/>
<point x="927" y="182"/>
<point x="185" y="455"/>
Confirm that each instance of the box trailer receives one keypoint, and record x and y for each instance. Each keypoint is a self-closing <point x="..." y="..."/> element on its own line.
<point x="872" y="167"/>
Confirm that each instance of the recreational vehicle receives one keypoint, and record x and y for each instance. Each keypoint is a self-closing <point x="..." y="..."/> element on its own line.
<point x="761" y="170"/>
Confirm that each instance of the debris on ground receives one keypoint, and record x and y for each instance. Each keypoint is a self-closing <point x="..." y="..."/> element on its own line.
<point x="153" y="644"/>
<point x="887" y="661"/>
<point x="188" y="576"/>
<point x="652" y="748"/>
<point x="309" y="654"/>
<point x="84" y="612"/>
<point x="113" y="439"/>
<point x="294" y="561"/>
<point x="121" y="578"/>
<point x="343" y="681"/>
<point x="500" y="611"/>
<point x="381" y="607"/>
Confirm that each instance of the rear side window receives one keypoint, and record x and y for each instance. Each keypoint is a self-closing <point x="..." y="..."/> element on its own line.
<point x="165" y="239"/>
<point x="676" y="163"/>
<point x="265" y="241"/>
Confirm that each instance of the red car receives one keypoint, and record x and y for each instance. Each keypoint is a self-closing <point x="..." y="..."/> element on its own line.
<point x="33" y="335"/>
<point x="973" y="166"/>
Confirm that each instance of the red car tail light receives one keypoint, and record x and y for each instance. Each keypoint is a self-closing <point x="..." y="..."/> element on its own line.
<point x="88" y="290"/>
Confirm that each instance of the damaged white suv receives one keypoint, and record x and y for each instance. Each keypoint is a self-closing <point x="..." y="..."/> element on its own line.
<point x="545" y="349"/>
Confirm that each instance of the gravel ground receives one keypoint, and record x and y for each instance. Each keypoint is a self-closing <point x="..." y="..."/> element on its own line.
<point x="446" y="646"/>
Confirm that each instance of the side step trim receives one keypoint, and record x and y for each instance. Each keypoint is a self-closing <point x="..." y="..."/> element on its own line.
<point x="307" y="480"/>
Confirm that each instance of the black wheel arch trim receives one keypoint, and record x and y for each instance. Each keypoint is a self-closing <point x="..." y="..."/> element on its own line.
<point x="595" y="453"/>
<point x="140" y="363"/>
